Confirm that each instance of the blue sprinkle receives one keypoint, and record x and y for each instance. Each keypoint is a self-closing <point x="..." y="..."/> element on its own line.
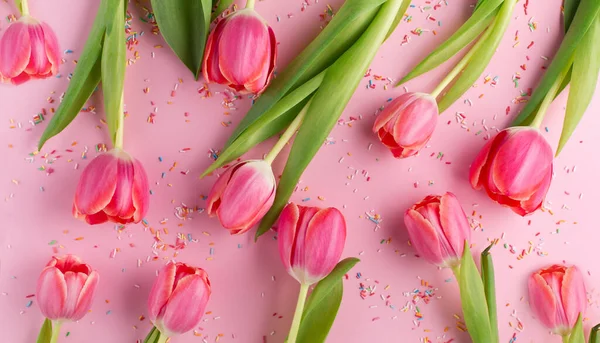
<point x="211" y="251"/>
<point x="160" y="159"/>
<point x="108" y="312"/>
<point x="239" y="246"/>
<point x="163" y="175"/>
<point x="547" y="130"/>
<point x="29" y="303"/>
<point x="305" y="199"/>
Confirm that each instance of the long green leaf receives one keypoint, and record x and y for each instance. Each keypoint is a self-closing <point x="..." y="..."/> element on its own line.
<point x="584" y="18"/>
<point x="577" y="335"/>
<point x="340" y="82"/>
<point x="586" y="66"/>
<point x="471" y="29"/>
<point x="594" y="336"/>
<point x="482" y="57"/>
<point x="184" y="24"/>
<point x="489" y="287"/>
<point x="45" y="335"/>
<point x="221" y="7"/>
<point x="569" y="10"/>
<point x="399" y="17"/>
<point x="84" y="81"/>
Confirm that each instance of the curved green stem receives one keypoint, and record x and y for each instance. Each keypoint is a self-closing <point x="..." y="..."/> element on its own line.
<point x="287" y="135"/>
<point x="250" y="3"/>
<point x="24" y="8"/>
<point x="162" y="338"/>
<point x="298" y="314"/>
<point x="550" y="96"/>
<point x="121" y="122"/>
<point x="55" y="331"/>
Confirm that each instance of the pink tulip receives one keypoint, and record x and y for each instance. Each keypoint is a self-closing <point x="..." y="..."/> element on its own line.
<point x="242" y="195"/>
<point x="113" y="187"/>
<point x="407" y="123"/>
<point x="28" y="49"/>
<point x="241" y="52"/>
<point x="311" y="241"/>
<point x="515" y="169"/>
<point x="65" y="288"/>
<point x="178" y="298"/>
<point x="438" y="228"/>
<point x="557" y="296"/>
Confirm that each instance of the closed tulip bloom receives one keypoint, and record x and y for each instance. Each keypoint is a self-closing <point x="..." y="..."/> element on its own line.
<point x="242" y="195"/>
<point x="311" y="241"/>
<point x="515" y="169"/>
<point x="240" y="52"/>
<point x="407" y="123"/>
<point x="65" y="288"/>
<point x="113" y="187"/>
<point x="28" y="49"/>
<point x="178" y="298"/>
<point x="557" y="296"/>
<point x="438" y="228"/>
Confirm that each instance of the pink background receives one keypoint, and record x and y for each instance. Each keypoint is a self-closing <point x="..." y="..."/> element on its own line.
<point x="253" y="297"/>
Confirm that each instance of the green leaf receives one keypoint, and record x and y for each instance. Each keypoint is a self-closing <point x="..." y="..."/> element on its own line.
<point x="489" y="287"/>
<point x="594" y="336"/>
<point x="471" y="29"/>
<point x="577" y="335"/>
<point x="569" y="10"/>
<point x="586" y="66"/>
<point x="184" y="25"/>
<point x="45" y="335"/>
<point x="84" y="81"/>
<point x="221" y="7"/>
<point x="399" y="17"/>
<point x="584" y="18"/>
<point x="481" y="58"/>
<point x="340" y="82"/>
<point x="472" y="296"/>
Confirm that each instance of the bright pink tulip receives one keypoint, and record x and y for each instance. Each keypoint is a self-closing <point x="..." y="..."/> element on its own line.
<point x="515" y="169"/>
<point x="242" y="195"/>
<point x="311" y="241"/>
<point x="65" y="288"/>
<point x="178" y="298"/>
<point x="241" y="52"/>
<point x="28" y="49"/>
<point x="438" y="228"/>
<point x="407" y="123"/>
<point x="113" y="187"/>
<point x="557" y="296"/>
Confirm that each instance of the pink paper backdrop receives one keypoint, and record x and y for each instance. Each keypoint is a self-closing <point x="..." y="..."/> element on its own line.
<point x="253" y="297"/>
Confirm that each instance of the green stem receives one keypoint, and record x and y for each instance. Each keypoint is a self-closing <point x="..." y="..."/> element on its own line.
<point x="162" y="338"/>
<point x="550" y="96"/>
<point x="565" y="339"/>
<point x="250" y="3"/>
<point x="24" y="7"/>
<point x="462" y="63"/>
<point x="456" y="271"/>
<point x="298" y="314"/>
<point x="55" y="331"/>
<point x="287" y="135"/>
<point x="119" y="135"/>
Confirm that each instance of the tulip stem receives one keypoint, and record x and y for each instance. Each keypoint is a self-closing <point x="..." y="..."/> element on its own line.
<point x="250" y="3"/>
<point x="55" y="331"/>
<point x="293" y="335"/>
<point x="162" y="338"/>
<point x="24" y="8"/>
<point x="565" y="339"/>
<point x="119" y="135"/>
<point x="550" y="96"/>
<point x="287" y="135"/>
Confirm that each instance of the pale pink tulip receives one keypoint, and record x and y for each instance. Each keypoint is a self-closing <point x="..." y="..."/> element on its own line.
<point x="178" y="298"/>
<point x="113" y="187"/>
<point x="438" y="228"/>
<point x="241" y="52"/>
<point x="242" y="195"/>
<point x="28" y="49"/>
<point x="407" y="123"/>
<point x="65" y="288"/>
<point x="557" y="296"/>
<point x="311" y="241"/>
<point x="515" y="169"/>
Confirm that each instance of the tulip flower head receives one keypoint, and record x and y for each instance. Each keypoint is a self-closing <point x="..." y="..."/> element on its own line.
<point x="65" y="288"/>
<point x="241" y="52"/>
<point x="515" y="169"/>
<point x="242" y="195"/>
<point x="438" y="228"/>
<point x="311" y="241"/>
<point x="407" y="123"/>
<point x="28" y="49"/>
<point x="557" y="296"/>
<point x="178" y="298"/>
<point x="113" y="187"/>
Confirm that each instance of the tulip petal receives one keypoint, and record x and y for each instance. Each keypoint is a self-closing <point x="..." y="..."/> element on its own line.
<point x="121" y="204"/>
<point x="415" y="125"/>
<point x="213" y="201"/>
<point x="141" y="191"/>
<point x="298" y="256"/>
<point x="38" y="60"/>
<point x="161" y="291"/>
<point x="286" y="233"/>
<point x="210" y="69"/>
<point x="93" y="219"/>
<point x="391" y="110"/>
<point x="51" y="293"/>
<point x="324" y="243"/>
<point x="573" y="295"/>
<point x="454" y="222"/>
<point x="86" y="296"/>
<point x="74" y="282"/>
<point x="186" y="305"/>
<point x="97" y="184"/>
<point x="537" y="199"/>
<point x="259" y="85"/>
<point x="542" y="301"/>
<point x="15" y="49"/>
<point x="52" y="48"/>
<point x="423" y="237"/>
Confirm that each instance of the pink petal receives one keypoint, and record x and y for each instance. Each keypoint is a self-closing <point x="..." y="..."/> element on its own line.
<point x="299" y="255"/>
<point x="423" y="237"/>
<point x="20" y="79"/>
<point x="141" y="191"/>
<point x="417" y="122"/>
<point x="573" y="295"/>
<point x="38" y="60"/>
<point x="537" y="198"/>
<point x="51" y="293"/>
<point x="74" y="282"/>
<point x="93" y="219"/>
<point x="161" y="291"/>
<point x="86" y="296"/>
<point x="97" y="184"/>
<point x="186" y="305"/>
<point x="15" y="49"/>
<point x="213" y="201"/>
<point x="454" y="223"/>
<point x="52" y="48"/>
<point x="478" y="164"/>
<point x="210" y="65"/>
<point x="392" y="110"/>
<point x="286" y="234"/>
<point x="121" y="204"/>
<point x="542" y="301"/>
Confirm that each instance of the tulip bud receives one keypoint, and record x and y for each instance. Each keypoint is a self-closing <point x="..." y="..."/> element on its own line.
<point x="242" y="195"/>
<point x="438" y="228"/>
<point x="311" y="241"/>
<point x="240" y="52"/>
<point x="178" y="298"/>
<point x="407" y="123"/>
<point x="65" y="288"/>
<point x="28" y="49"/>
<point x="557" y="296"/>
<point x="113" y="187"/>
<point x="515" y="169"/>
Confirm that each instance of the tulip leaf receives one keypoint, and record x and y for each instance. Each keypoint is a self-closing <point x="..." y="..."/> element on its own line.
<point x="221" y="7"/>
<point x="489" y="287"/>
<point x="326" y="106"/>
<point x="577" y="335"/>
<point x="471" y="29"/>
<point x="481" y="58"/>
<point x="85" y="77"/>
<point x="569" y="10"/>
<point x="399" y="17"/>
<point x="45" y="335"/>
<point x="587" y="12"/>
<point x="594" y="336"/>
<point x="586" y="66"/>
<point x="323" y="304"/>
<point x="185" y="25"/>
<point x="472" y="296"/>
